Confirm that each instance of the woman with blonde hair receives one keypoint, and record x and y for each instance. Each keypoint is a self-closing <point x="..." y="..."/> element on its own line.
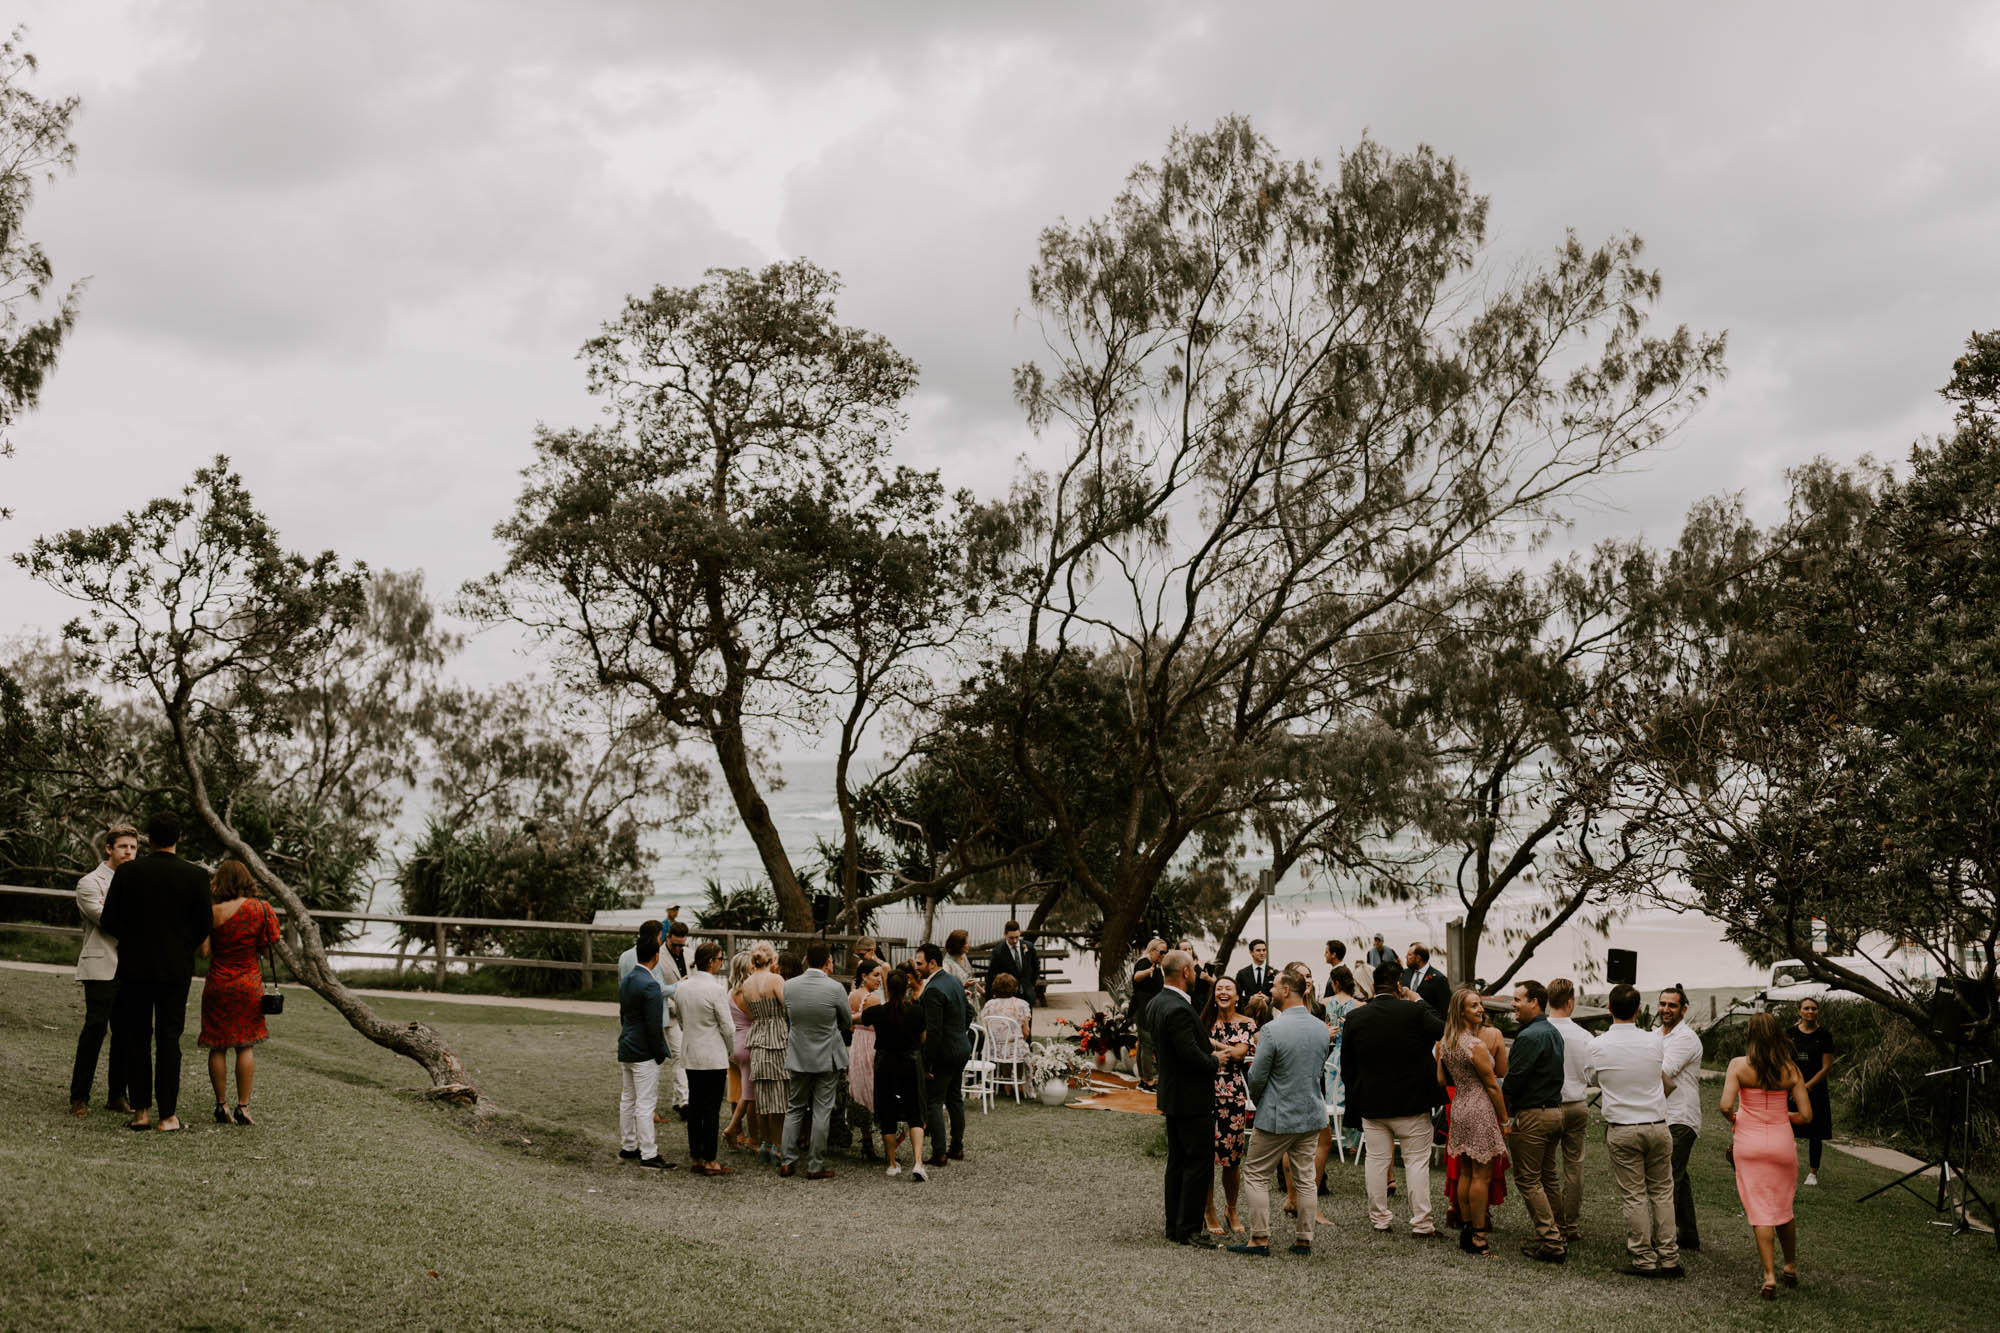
<point x="764" y="998"/>
<point x="1476" y="1137"/>
<point x="232" y="997"/>
<point x="1758" y="1093"/>
<point x="739" y="1053"/>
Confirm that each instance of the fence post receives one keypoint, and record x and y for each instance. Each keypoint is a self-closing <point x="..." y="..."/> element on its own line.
<point x="438" y="939"/>
<point x="588" y="978"/>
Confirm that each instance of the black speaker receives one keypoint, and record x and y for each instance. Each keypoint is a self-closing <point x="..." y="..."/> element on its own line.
<point x="1621" y="967"/>
<point x="824" y="908"/>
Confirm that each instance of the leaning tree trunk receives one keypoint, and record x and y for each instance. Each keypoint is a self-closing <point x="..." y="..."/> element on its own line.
<point x="308" y="961"/>
<point x="733" y="757"/>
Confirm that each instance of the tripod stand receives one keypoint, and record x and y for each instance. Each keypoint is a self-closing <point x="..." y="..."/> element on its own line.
<point x="1957" y="1124"/>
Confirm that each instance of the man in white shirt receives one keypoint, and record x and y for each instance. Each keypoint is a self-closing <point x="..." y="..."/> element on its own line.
<point x="1625" y="1065"/>
<point x="97" y="971"/>
<point x="1575" y="1113"/>
<point x="1680" y="1065"/>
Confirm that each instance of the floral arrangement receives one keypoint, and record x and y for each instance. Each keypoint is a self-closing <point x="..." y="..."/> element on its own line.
<point x="1054" y="1060"/>
<point x="1104" y="1034"/>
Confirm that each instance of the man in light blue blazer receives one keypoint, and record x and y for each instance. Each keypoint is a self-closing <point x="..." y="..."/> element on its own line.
<point x="815" y="1057"/>
<point x="1291" y="1111"/>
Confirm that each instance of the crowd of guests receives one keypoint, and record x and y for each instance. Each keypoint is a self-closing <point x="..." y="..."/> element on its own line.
<point x="803" y="1055"/>
<point x="146" y="920"/>
<point x="1255" y="1075"/>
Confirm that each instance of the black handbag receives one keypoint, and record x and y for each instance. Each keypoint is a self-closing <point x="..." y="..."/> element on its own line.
<point x="273" y="1000"/>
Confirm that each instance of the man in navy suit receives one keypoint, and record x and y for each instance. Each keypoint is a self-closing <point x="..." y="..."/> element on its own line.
<point x="947" y="1046"/>
<point x="1186" y="1097"/>
<point x="1257" y="978"/>
<point x="157" y="908"/>
<point x="1016" y="956"/>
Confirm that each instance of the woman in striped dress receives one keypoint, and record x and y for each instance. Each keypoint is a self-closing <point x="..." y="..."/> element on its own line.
<point x="764" y="997"/>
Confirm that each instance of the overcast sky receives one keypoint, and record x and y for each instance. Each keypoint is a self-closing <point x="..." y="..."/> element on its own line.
<point x="355" y="246"/>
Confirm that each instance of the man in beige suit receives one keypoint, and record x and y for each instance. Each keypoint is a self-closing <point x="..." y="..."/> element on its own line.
<point x="97" y="970"/>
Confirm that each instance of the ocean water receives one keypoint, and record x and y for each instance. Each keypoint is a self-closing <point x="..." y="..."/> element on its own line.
<point x="1673" y="947"/>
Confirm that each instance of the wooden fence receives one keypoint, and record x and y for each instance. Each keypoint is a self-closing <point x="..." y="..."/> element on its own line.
<point x="435" y="931"/>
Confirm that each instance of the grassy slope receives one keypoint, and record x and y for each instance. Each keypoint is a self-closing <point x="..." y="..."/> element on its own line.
<point x="355" y="1206"/>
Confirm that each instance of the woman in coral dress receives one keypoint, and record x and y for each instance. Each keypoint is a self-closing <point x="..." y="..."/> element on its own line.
<point x="1758" y="1093"/>
<point x="232" y="999"/>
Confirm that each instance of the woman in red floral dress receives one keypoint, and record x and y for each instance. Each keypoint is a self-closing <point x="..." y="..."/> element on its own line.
<point x="232" y="999"/>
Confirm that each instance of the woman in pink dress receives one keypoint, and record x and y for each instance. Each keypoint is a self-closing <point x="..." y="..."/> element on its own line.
<point x="867" y="993"/>
<point x="739" y="1068"/>
<point x="1758" y="1094"/>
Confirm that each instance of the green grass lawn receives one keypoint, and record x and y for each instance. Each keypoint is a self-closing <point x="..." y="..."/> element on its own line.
<point x="355" y="1205"/>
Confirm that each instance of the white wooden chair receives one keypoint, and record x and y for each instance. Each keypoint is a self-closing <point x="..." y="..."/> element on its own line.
<point x="1007" y="1055"/>
<point x="977" y="1080"/>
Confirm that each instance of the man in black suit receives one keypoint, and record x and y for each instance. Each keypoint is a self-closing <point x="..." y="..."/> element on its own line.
<point x="1432" y="986"/>
<point x="1015" y="956"/>
<point x="947" y="1046"/>
<point x="1391" y="1078"/>
<point x="158" y="909"/>
<point x="1186" y="1097"/>
<point x="1255" y="979"/>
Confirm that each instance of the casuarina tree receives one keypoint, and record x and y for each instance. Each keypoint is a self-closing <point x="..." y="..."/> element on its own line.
<point x="1285" y="406"/>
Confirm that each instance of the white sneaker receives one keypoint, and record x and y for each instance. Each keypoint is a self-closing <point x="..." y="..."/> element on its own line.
<point x="895" y="1168"/>
<point x="917" y="1173"/>
<point x="1812" y="1177"/>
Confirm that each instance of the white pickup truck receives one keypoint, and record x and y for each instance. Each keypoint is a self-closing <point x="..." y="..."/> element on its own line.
<point x="1790" y="982"/>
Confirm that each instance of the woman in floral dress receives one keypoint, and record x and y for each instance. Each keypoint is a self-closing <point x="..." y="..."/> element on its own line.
<point x="232" y="998"/>
<point x="1235" y="1040"/>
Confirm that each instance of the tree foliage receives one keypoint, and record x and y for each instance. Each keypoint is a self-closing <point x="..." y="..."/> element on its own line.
<point x="733" y="548"/>
<point x="35" y="146"/>
<point x="193" y="603"/>
<point x="1288" y="411"/>
<point x="1839" y="759"/>
<point x="541" y="809"/>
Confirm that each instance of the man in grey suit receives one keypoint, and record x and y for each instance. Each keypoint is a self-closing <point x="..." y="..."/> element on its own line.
<point x="1291" y="1110"/>
<point x="947" y="1046"/>
<point x="815" y="1057"/>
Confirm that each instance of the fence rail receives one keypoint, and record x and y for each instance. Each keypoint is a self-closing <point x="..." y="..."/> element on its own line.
<point x="437" y="942"/>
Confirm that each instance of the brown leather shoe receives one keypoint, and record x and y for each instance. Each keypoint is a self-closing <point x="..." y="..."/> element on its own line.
<point x="718" y="1169"/>
<point x="786" y="1169"/>
<point x="120" y="1105"/>
<point x="79" y="1109"/>
<point x="819" y="1175"/>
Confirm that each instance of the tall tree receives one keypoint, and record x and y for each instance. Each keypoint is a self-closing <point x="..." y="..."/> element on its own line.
<point x="1531" y="695"/>
<point x="735" y="537"/>
<point x="1287" y="409"/>
<point x="1836" y="759"/>
<point x="34" y="146"/>
<point x="193" y="601"/>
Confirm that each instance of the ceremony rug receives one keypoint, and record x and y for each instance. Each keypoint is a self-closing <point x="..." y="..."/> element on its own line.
<point x="1115" y="1092"/>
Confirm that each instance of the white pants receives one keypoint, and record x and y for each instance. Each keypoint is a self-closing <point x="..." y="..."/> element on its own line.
<point x="1379" y="1139"/>
<point x="672" y="1073"/>
<point x="638" y="1094"/>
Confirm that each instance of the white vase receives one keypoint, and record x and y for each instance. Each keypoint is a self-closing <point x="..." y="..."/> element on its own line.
<point x="1054" y="1092"/>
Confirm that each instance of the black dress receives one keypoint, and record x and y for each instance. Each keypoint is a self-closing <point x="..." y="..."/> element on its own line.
<point x="899" y="1065"/>
<point x="1809" y="1049"/>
